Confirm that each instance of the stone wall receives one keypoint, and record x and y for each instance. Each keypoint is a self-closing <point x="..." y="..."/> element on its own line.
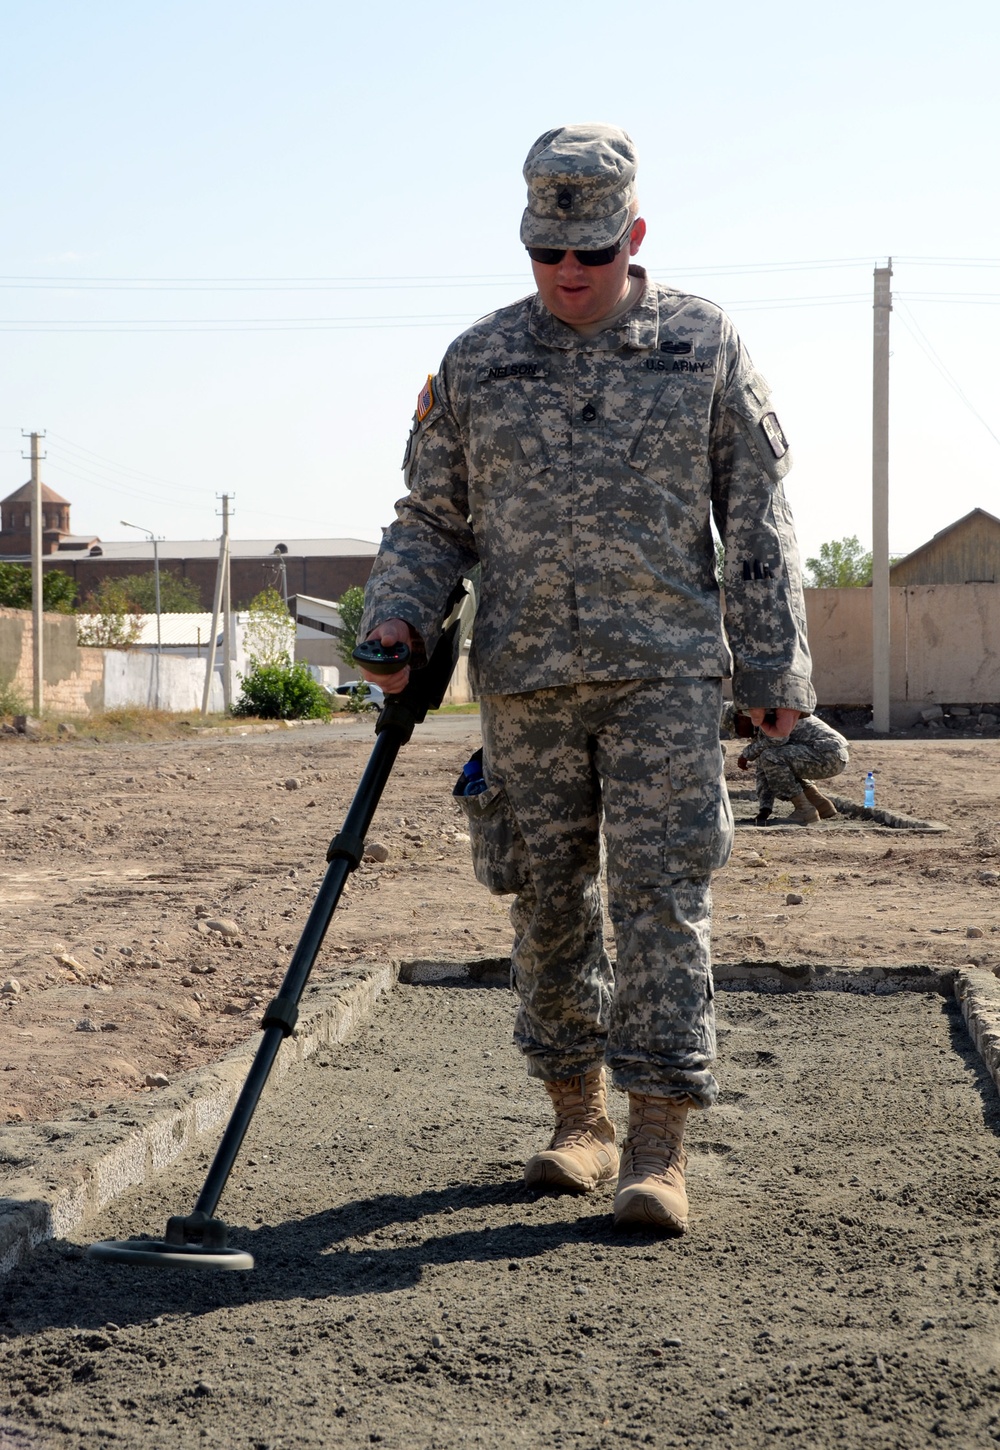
<point x="73" y="675"/>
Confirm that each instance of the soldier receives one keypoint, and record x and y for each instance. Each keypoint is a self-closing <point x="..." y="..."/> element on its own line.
<point x="576" y="445"/>
<point x="786" y="768"/>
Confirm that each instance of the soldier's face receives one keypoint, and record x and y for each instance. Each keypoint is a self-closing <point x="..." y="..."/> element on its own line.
<point x="581" y="295"/>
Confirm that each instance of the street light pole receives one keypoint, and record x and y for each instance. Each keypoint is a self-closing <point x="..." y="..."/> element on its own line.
<point x="156" y="573"/>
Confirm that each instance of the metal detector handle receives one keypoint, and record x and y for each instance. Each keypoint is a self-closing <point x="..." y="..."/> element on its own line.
<point x="381" y="659"/>
<point x="426" y="686"/>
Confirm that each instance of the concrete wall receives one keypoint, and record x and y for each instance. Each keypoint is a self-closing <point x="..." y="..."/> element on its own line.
<point x="161" y="682"/>
<point x="945" y="645"/>
<point x="945" y="650"/>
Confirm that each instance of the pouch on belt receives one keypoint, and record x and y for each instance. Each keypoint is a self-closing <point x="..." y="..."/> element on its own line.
<point x="499" y="855"/>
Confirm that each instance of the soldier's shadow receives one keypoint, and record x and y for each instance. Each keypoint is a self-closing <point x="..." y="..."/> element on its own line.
<point x="373" y="1245"/>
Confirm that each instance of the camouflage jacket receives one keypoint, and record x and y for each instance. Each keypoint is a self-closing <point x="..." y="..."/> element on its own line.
<point x="581" y="473"/>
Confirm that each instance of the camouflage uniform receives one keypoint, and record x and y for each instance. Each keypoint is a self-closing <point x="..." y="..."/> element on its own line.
<point x="813" y="751"/>
<point x="582" y="473"/>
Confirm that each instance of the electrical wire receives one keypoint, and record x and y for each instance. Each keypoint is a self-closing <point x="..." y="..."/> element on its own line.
<point x="927" y="347"/>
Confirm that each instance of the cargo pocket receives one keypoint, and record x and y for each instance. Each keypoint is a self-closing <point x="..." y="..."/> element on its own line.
<point x="499" y="855"/>
<point x="699" y="824"/>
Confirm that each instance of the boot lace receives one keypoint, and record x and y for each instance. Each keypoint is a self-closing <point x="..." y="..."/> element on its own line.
<point x="654" y="1139"/>
<point x="577" y="1112"/>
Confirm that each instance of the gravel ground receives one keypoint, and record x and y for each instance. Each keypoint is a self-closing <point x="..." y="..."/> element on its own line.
<point x="838" y="1287"/>
<point x="113" y="859"/>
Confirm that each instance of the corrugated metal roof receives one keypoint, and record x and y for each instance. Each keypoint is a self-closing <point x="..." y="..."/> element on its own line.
<point x="238" y="549"/>
<point x="175" y="629"/>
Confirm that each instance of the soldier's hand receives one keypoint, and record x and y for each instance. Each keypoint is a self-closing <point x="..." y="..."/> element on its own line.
<point x="392" y="631"/>
<point x="782" y="725"/>
<point x="742" y="762"/>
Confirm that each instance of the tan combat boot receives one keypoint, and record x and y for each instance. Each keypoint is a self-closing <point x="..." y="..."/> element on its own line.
<point x="651" y="1190"/>
<point x="582" y="1152"/>
<point x="805" y="813"/>
<point x="816" y="798"/>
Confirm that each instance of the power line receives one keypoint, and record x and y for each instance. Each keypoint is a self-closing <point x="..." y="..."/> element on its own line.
<point x="444" y="279"/>
<point x="117" y="467"/>
<point x="142" y="325"/>
<point x="924" y="343"/>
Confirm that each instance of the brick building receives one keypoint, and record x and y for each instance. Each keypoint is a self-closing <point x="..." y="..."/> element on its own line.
<point x="322" y="567"/>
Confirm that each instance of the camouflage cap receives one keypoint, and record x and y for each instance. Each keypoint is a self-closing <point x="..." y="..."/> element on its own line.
<point x="581" y="181"/>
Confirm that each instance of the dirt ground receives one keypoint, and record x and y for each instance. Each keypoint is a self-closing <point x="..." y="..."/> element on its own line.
<point x="114" y="859"/>
<point x="839" y="1286"/>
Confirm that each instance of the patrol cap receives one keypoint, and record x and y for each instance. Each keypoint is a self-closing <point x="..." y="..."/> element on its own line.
<point x="581" y="181"/>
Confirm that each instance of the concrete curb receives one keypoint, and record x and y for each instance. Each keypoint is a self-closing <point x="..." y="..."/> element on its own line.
<point x="59" y="1174"/>
<point x="751" y="976"/>
<point x="978" y="995"/>
<point x="840" y="977"/>
<point x="898" y="822"/>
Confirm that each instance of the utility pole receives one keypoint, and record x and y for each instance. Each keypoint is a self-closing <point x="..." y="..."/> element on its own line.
<point x="227" y="607"/>
<point x="37" y="580"/>
<point x="220" y="574"/>
<point x="880" y="500"/>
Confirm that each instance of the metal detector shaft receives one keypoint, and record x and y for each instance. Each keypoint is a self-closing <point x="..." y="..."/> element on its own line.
<point x="344" y="856"/>
<point x="398" y="716"/>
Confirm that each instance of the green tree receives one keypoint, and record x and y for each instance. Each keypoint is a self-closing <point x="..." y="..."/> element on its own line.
<point x="58" y="589"/>
<point x="110" y="619"/>
<point x="282" y="692"/>
<point x="350" y="607"/>
<point x="269" y="638"/>
<point x="842" y="564"/>
<point x="177" y="595"/>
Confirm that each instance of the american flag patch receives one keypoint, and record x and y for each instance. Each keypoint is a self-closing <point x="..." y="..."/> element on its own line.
<point x="425" y="399"/>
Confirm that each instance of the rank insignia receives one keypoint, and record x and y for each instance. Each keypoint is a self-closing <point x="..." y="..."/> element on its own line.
<point x="425" y="399"/>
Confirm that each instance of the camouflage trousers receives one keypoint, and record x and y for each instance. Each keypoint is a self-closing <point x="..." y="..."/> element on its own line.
<point x="785" y="764"/>
<point x="630" y="774"/>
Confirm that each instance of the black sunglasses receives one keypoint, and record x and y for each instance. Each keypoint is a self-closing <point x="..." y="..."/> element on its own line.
<point x="551" y="256"/>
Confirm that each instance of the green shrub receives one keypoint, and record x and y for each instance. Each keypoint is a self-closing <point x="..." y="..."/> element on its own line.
<point x="269" y="638"/>
<point x="281" y="692"/>
<point x="110" y="621"/>
<point x="360" y="699"/>
<point x="350" y="607"/>
<point x="177" y="595"/>
<point x="11" y="700"/>
<point x="58" y="589"/>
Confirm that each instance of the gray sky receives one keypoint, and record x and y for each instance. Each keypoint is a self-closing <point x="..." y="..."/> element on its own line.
<point x="237" y="237"/>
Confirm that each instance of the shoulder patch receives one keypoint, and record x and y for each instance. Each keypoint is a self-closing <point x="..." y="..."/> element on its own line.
<point x="425" y="398"/>
<point x="772" y="432"/>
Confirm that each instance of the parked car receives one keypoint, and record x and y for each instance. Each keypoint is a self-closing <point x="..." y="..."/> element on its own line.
<point x="371" y="696"/>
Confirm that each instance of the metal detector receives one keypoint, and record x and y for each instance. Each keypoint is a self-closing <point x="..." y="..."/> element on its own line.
<point x="199" y="1240"/>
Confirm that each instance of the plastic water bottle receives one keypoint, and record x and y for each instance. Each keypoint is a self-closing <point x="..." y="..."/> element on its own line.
<point x="870" y="791"/>
<point x="473" y="772"/>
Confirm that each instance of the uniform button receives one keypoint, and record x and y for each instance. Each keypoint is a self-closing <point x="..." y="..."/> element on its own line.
<point x="589" y="413"/>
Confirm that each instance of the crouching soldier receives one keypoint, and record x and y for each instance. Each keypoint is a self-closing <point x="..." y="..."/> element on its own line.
<point x="787" y="767"/>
